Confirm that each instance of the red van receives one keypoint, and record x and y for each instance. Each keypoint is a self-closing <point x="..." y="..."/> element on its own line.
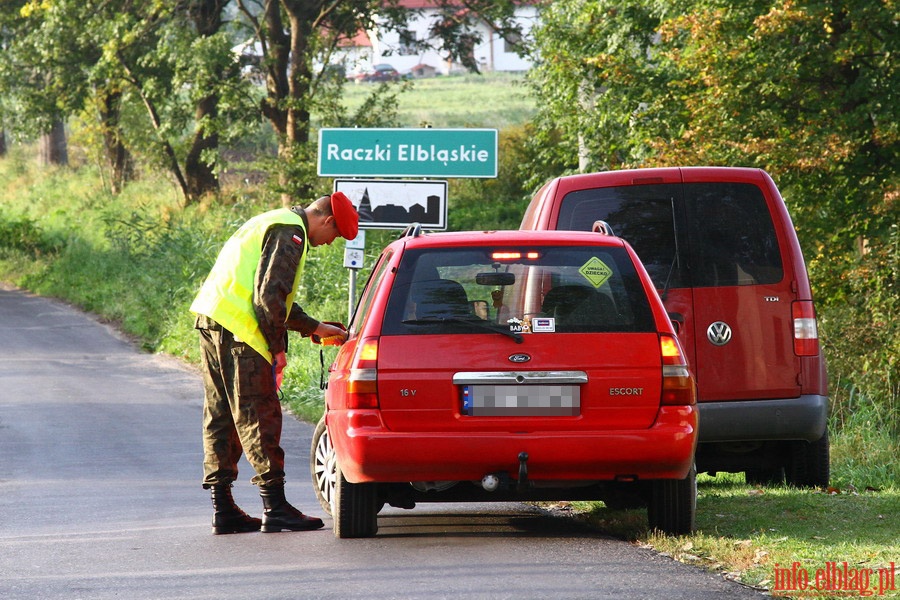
<point x="721" y="249"/>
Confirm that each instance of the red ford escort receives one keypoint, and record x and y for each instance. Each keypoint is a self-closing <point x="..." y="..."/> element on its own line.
<point x="515" y="365"/>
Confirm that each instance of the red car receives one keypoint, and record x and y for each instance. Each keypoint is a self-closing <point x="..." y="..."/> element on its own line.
<point x="381" y="72"/>
<point x="722" y="250"/>
<point x="507" y="366"/>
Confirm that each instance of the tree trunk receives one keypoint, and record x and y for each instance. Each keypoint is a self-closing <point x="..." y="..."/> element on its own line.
<point x="199" y="171"/>
<point x="118" y="158"/>
<point x="2" y="143"/>
<point x="287" y="83"/>
<point x="52" y="146"/>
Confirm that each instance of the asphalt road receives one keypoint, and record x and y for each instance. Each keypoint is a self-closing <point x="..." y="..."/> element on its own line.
<point x="100" y="497"/>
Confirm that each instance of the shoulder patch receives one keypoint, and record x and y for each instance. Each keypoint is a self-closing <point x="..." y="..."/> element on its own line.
<point x="297" y="239"/>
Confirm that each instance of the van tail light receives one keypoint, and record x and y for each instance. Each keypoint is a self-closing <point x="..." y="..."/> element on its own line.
<point x="677" y="384"/>
<point x="806" y="332"/>
<point x="362" y="386"/>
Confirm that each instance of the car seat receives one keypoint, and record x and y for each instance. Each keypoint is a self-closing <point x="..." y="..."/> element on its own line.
<point x="440" y="298"/>
<point x="578" y="306"/>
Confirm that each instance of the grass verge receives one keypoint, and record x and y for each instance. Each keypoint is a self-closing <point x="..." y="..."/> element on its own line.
<point x="765" y="537"/>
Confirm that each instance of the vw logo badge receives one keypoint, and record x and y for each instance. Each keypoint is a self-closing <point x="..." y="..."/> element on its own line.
<point x="719" y="333"/>
<point x="519" y="358"/>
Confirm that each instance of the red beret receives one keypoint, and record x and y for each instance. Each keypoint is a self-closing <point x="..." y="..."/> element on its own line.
<point x="345" y="215"/>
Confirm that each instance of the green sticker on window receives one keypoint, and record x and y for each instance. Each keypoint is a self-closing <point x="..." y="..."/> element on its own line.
<point x="596" y="272"/>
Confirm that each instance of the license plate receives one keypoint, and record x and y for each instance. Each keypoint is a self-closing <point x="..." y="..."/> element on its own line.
<point x="545" y="400"/>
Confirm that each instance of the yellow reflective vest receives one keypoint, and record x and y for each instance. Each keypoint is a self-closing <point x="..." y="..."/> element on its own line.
<point x="227" y="294"/>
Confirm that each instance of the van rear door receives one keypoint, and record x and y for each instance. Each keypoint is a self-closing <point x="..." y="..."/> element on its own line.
<point x="742" y="322"/>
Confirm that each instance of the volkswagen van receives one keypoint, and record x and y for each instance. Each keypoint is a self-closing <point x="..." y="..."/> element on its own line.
<point x="723" y="254"/>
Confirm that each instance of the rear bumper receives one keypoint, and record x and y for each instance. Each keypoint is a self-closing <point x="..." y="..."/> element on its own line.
<point x="803" y="418"/>
<point x="367" y="451"/>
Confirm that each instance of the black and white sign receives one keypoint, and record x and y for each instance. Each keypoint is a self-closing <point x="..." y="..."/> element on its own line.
<point x="384" y="204"/>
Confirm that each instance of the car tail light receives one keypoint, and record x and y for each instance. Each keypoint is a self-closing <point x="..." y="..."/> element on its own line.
<point x="362" y="386"/>
<point x="806" y="333"/>
<point x="678" y="385"/>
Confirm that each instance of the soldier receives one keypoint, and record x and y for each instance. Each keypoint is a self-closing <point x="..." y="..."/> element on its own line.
<point x="244" y="310"/>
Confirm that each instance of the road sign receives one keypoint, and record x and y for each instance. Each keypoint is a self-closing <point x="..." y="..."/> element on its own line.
<point x="394" y="204"/>
<point x="353" y="259"/>
<point x="377" y="152"/>
<point x="357" y="243"/>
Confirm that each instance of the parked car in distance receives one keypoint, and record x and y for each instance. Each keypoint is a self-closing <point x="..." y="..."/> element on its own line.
<point x="380" y="72"/>
<point x="503" y="366"/>
<point x="723" y="253"/>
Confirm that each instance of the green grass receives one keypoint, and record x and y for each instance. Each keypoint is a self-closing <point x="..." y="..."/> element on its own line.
<point x="494" y="100"/>
<point x="744" y="531"/>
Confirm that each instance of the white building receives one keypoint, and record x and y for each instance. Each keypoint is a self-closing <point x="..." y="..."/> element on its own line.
<point x="402" y="51"/>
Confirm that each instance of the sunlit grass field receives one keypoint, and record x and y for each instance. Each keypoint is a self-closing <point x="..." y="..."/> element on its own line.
<point x="494" y="100"/>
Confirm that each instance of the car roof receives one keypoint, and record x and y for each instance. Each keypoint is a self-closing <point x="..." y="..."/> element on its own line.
<point x="509" y="238"/>
<point x="663" y="175"/>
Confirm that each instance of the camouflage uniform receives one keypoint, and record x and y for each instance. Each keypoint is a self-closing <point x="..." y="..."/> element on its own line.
<point x="242" y="411"/>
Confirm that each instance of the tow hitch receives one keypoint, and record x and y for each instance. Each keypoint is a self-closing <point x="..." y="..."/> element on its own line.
<point x="522" y="485"/>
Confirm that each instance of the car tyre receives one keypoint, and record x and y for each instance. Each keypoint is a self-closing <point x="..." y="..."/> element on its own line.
<point x="673" y="504"/>
<point x="356" y="508"/>
<point x="322" y="466"/>
<point x="809" y="464"/>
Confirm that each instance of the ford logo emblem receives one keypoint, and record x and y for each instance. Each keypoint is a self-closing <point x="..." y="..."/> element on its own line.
<point x="519" y="358"/>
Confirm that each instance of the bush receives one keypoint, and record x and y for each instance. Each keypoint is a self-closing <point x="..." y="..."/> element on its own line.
<point x="861" y="333"/>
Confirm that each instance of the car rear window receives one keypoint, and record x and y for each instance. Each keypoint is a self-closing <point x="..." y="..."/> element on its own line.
<point x="700" y="234"/>
<point x="525" y="289"/>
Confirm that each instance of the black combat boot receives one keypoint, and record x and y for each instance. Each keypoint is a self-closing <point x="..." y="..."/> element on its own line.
<point x="280" y="515"/>
<point x="228" y="518"/>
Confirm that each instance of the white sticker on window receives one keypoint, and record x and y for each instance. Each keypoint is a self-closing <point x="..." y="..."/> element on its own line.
<point x="543" y="324"/>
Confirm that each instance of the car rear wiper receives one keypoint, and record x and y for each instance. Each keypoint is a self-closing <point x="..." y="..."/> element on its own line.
<point x="478" y="323"/>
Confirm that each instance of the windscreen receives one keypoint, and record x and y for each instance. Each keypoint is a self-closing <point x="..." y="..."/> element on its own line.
<point x="518" y="290"/>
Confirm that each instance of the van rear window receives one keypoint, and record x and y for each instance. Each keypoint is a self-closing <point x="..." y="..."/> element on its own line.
<point x="700" y="234"/>
<point x="731" y="235"/>
<point x="542" y="289"/>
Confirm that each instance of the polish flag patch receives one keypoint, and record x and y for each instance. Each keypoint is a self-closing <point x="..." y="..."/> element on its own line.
<point x="297" y="239"/>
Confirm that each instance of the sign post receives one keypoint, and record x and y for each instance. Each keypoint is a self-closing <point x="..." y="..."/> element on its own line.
<point x="354" y="255"/>
<point x="400" y="152"/>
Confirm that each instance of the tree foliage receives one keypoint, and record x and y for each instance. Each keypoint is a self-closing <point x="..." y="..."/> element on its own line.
<point x="805" y="89"/>
<point x="169" y="68"/>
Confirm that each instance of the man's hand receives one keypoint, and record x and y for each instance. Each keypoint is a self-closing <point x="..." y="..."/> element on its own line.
<point x="330" y="334"/>
<point x="279" y="362"/>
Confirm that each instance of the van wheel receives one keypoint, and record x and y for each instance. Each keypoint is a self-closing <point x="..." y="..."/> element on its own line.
<point x="673" y="504"/>
<point x="808" y="464"/>
<point x="322" y="466"/>
<point x="355" y="508"/>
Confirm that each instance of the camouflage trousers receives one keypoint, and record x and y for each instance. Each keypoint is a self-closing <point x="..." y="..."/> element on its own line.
<point x="241" y="409"/>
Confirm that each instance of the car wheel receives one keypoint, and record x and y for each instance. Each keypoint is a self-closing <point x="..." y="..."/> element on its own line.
<point x="673" y="504"/>
<point x="322" y="466"/>
<point x="356" y="508"/>
<point x="808" y="464"/>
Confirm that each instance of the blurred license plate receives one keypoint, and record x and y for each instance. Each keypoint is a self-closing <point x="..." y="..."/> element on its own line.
<point x="487" y="400"/>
